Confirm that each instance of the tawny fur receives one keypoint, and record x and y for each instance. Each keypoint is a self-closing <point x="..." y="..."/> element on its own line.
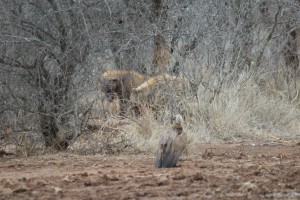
<point x="152" y="82"/>
<point x="123" y="73"/>
<point x="153" y="91"/>
<point x="159" y="81"/>
<point x="172" y="144"/>
<point x="119" y="84"/>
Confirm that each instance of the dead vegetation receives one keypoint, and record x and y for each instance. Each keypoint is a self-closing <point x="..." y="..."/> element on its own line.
<point x="230" y="69"/>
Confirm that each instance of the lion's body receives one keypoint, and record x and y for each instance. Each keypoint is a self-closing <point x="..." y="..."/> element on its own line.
<point x="150" y="84"/>
<point x="153" y="92"/>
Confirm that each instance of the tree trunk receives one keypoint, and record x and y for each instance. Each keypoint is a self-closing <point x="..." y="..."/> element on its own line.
<point x="161" y="44"/>
<point x="290" y="55"/>
<point x="54" y="104"/>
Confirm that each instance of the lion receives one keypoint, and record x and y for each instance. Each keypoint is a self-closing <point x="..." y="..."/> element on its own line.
<point x="118" y="84"/>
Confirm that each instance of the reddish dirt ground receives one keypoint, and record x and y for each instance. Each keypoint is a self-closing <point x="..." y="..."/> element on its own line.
<point x="218" y="171"/>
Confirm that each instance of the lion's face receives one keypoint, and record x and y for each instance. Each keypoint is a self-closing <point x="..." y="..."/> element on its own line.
<point x="111" y="87"/>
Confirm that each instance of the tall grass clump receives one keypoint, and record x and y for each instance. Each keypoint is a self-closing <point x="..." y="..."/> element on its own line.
<point x="242" y="109"/>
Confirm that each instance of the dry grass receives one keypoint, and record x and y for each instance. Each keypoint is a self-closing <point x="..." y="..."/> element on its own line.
<point x="22" y="144"/>
<point x="243" y="109"/>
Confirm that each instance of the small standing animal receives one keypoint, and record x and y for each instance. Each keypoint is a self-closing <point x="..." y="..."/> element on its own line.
<point x="172" y="144"/>
<point x="119" y="84"/>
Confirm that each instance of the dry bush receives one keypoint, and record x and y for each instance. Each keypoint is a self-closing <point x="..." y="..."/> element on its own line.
<point x="46" y="70"/>
<point x="19" y="134"/>
<point x="124" y="135"/>
<point x="110" y="138"/>
<point x="279" y="110"/>
<point x="22" y="143"/>
<point x="243" y="109"/>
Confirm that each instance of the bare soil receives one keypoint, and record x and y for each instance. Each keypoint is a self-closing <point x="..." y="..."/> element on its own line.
<point x="245" y="170"/>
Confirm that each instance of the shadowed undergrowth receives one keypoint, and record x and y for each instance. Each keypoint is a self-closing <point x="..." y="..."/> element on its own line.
<point x="241" y="110"/>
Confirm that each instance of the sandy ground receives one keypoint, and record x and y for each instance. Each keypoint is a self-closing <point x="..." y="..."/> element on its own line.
<point x="218" y="171"/>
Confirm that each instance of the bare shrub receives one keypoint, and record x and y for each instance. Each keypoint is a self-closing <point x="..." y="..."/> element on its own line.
<point x="111" y="138"/>
<point x="242" y="110"/>
<point x="22" y="143"/>
<point x="240" y="58"/>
